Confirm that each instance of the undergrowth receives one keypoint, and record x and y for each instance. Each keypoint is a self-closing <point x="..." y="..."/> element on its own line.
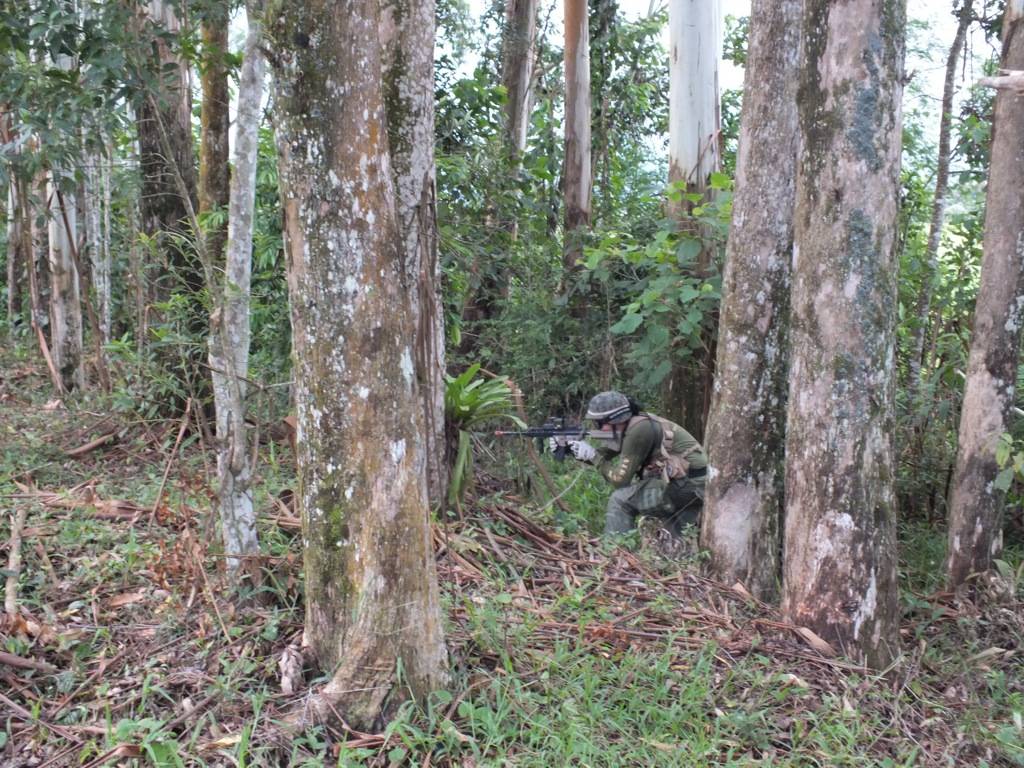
<point x="614" y="657"/>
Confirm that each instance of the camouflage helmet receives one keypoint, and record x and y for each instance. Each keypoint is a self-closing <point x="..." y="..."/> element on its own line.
<point x="609" y="408"/>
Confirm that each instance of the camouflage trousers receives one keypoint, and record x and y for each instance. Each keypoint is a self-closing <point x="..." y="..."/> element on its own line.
<point x="678" y="502"/>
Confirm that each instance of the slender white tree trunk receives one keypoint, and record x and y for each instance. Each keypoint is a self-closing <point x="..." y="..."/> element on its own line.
<point x="577" y="175"/>
<point x="65" y="294"/>
<point x="229" y="323"/>
<point x="17" y="257"/>
<point x="695" y="45"/>
<point x="99" y="265"/>
<point x="976" y="503"/>
<point x="839" y="574"/>
<point x="106" y="307"/>
<point x="519" y="51"/>
<point x="931" y="256"/>
<point x="746" y="433"/>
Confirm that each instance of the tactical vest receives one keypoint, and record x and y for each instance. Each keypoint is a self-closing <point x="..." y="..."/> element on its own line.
<point x="670" y="466"/>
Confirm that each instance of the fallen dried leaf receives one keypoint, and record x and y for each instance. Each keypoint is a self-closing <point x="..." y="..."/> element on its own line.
<point x="126" y="598"/>
<point x="815" y="641"/>
<point x="225" y="741"/>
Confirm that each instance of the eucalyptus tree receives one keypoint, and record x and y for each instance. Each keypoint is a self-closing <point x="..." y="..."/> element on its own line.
<point x="230" y="323"/>
<point x="372" y="607"/>
<point x="66" y="327"/>
<point x="576" y="174"/>
<point x="695" y="45"/>
<point x="518" y="60"/>
<point x="976" y="499"/>
<point x="746" y="430"/>
<point x="931" y="257"/>
<point x="839" y="572"/>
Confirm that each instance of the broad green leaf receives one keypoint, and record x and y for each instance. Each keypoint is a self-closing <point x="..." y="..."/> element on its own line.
<point x="627" y="324"/>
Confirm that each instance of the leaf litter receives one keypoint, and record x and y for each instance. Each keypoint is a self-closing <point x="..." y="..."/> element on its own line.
<point x="124" y="639"/>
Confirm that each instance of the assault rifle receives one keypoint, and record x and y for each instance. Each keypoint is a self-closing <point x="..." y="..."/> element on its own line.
<point x="557" y="429"/>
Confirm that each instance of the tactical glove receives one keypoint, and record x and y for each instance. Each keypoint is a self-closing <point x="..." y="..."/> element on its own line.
<point x="583" y="451"/>
<point x="554" y="443"/>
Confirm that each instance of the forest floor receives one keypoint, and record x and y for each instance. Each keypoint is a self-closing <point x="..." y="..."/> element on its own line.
<point x="127" y="648"/>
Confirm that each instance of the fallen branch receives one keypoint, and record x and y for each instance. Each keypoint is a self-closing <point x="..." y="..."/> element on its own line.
<point x="170" y="459"/>
<point x="19" y="662"/>
<point x="82" y="450"/>
<point x="14" y="560"/>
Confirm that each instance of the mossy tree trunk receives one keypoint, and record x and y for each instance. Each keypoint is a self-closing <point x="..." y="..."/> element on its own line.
<point x="407" y="36"/>
<point x="976" y="500"/>
<point x="839" y="574"/>
<point x="214" y="168"/>
<point x="371" y="586"/>
<point x="576" y="174"/>
<point x="746" y="431"/>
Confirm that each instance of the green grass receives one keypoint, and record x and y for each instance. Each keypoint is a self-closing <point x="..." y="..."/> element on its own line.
<point x="519" y="697"/>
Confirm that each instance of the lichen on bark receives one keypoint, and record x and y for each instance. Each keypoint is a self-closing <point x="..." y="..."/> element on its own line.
<point x="371" y="588"/>
<point x="840" y="568"/>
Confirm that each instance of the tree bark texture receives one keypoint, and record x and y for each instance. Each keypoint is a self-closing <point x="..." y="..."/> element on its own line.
<point x="746" y="433"/>
<point x="17" y="254"/>
<point x="371" y="584"/>
<point x="839" y="574"/>
<point x="99" y="258"/>
<point x="65" y="294"/>
<point x="975" y="507"/>
<point x="167" y="161"/>
<point x="931" y="256"/>
<point x="576" y="175"/>
<point x="214" y="169"/>
<point x="695" y="40"/>
<point x="407" y="39"/>
<point x="229" y="323"/>
<point x="518" y="56"/>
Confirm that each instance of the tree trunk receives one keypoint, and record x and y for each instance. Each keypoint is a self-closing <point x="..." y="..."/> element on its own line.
<point x="17" y="257"/>
<point x="65" y="294"/>
<point x="99" y="263"/>
<point x="371" y="586"/>
<point x="931" y="256"/>
<point x="975" y="507"/>
<point x="407" y="40"/>
<point x="839" y="575"/>
<point x="104" y="291"/>
<point x="229" y="322"/>
<point x="746" y="433"/>
<point x="695" y="40"/>
<point x="214" y="184"/>
<point x="519" y="53"/>
<point x="576" y="175"/>
<point x="167" y="162"/>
